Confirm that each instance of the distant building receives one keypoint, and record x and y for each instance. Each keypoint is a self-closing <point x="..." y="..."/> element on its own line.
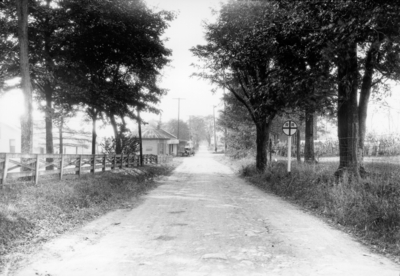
<point x="74" y="141"/>
<point x="159" y="142"/>
<point x="10" y="138"/>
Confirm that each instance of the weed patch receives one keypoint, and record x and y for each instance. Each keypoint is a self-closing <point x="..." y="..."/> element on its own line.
<point x="369" y="209"/>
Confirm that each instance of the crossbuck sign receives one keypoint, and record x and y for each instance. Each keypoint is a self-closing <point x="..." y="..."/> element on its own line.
<point x="289" y="128"/>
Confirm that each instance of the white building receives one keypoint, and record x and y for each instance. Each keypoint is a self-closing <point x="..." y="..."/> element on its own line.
<point x="74" y="142"/>
<point x="10" y="138"/>
<point x="159" y="142"/>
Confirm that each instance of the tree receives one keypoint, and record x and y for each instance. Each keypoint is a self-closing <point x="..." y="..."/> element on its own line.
<point x="241" y="57"/>
<point x="301" y="60"/>
<point x="350" y="35"/>
<point x="117" y="50"/>
<point x="172" y="127"/>
<point x="241" y="129"/>
<point x="347" y="28"/>
<point x="26" y="118"/>
<point x="99" y="50"/>
<point x="197" y="129"/>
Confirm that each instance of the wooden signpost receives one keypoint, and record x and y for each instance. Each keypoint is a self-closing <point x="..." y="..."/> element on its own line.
<point x="289" y="128"/>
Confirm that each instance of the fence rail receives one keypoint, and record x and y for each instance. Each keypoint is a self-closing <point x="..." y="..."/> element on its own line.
<point x="16" y="165"/>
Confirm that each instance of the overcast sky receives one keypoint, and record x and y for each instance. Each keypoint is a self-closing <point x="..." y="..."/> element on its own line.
<point x="185" y="32"/>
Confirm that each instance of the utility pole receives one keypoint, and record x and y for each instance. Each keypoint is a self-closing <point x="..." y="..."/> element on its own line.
<point x="179" y="109"/>
<point x="215" y="131"/>
<point x="140" y="139"/>
<point x="225" y="129"/>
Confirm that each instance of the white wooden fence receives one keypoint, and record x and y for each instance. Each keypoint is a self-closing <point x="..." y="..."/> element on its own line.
<point x="15" y="165"/>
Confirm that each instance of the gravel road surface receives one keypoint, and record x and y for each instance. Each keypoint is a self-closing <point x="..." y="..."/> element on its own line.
<point x="201" y="221"/>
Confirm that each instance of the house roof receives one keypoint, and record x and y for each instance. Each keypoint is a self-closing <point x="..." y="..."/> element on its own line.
<point x="15" y="127"/>
<point x="157" y="133"/>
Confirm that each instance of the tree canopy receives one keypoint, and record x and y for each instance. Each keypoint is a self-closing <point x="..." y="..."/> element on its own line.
<point x="103" y="55"/>
<point x="278" y="56"/>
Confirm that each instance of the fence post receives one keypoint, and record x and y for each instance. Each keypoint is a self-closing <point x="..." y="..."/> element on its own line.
<point x="104" y="163"/>
<point x="37" y="166"/>
<point x="93" y="163"/>
<point x="128" y="161"/>
<point x="78" y="165"/>
<point x="5" y="168"/>
<point x="61" y="166"/>
<point x="122" y="161"/>
<point x="115" y="162"/>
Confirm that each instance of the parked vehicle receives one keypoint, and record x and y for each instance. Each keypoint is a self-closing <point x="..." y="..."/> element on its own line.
<point x="189" y="151"/>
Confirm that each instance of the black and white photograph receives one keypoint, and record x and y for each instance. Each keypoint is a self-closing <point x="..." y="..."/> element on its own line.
<point x="199" y="138"/>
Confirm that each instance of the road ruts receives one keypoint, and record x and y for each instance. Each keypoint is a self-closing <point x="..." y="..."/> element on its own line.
<point x="204" y="220"/>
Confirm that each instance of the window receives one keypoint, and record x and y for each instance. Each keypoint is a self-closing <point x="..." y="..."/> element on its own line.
<point x="12" y="145"/>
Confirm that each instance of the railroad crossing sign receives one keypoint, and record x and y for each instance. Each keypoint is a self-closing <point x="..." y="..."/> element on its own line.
<point x="289" y="128"/>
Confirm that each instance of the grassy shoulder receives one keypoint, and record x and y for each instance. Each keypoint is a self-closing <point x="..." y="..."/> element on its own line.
<point x="369" y="210"/>
<point x="31" y="215"/>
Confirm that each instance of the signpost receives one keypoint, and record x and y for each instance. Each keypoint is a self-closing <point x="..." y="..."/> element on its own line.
<point x="289" y="128"/>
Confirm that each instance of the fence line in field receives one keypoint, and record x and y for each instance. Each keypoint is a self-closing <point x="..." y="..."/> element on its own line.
<point x="16" y="165"/>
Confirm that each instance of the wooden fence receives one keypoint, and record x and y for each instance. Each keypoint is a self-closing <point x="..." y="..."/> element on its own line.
<point x="15" y="165"/>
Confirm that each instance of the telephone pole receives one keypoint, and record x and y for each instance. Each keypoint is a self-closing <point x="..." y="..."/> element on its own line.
<point x="179" y="109"/>
<point x="215" y="131"/>
<point x="140" y="139"/>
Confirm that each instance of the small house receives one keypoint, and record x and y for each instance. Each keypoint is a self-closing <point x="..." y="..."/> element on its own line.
<point x="159" y="142"/>
<point x="10" y="138"/>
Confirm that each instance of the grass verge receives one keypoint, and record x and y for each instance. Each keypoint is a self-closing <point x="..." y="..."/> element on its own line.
<point x="369" y="210"/>
<point x="31" y="215"/>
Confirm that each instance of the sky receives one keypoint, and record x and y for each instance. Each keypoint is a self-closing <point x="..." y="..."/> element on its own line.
<point x="185" y="32"/>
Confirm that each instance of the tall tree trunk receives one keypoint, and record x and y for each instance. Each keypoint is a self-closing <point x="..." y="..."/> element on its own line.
<point x="49" y="124"/>
<point x="262" y="130"/>
<point x="61" y="135"/>
<point x="118" y="146"/>
<point x="94" y="113"/>
<point x="365" y="94"/>
<point x="298" y="146"/>
<point x="309" y="154"/>
<point x="117" y="135"/>
<point x="26" y="118"/>
<point x="49" y="118"/>
<point x="348" y="111"/>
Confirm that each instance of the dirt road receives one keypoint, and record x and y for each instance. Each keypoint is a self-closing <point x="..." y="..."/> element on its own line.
<point x="204" y="220"/>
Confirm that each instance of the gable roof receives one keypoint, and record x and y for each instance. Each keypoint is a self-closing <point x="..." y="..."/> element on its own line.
<point x="10" y="125"/>
<point x="155" y="133"/>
